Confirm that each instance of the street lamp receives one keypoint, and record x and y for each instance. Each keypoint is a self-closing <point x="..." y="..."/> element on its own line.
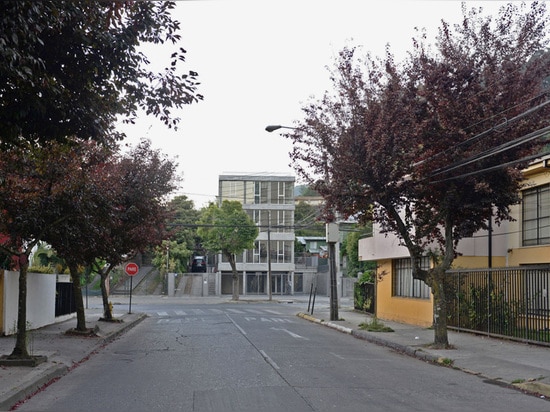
<point x="332" y="238"/>
<point x="272" y="128"/>
<point x="269" y="274"/>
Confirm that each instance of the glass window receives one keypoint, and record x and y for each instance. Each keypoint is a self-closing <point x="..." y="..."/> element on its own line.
<point x="249" y="193"/>
<point x="536" y="216"/>
<point x="403" y="282"/>
<point x="260" y="192"/>
<point x="282" y="193"/>
<point x="232" y="190"/>
<point x="289" y="192"/>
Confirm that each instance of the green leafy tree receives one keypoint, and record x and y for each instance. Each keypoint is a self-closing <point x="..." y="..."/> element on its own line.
<point x="228" y="229"/>
<point x="171" y="256"/>
<point x="183" y="233"/>
<point x="307" y="220"/>
<point x="350" y="249"/>
<point x="74" y="68"/>
<point x="433" y="148"/>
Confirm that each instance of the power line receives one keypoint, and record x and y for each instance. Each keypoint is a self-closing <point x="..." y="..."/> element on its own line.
<point x="494" y="151"/>
<point x="490" y="169"/>
<point x="483" y="134"/>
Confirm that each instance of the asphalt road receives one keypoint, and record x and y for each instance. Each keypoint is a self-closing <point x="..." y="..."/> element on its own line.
<point x="261" y="357"/>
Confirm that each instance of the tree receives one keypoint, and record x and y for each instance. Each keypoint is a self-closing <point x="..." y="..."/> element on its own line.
<point x="433" y="148"/>
<point x="70" y="70"/>
<point x="117" y="211"/>
<point x="230" y="230"/>
<point x="147" y="177"/>
<point x="35" y="182"/>
<point x="183" y="231"/>
<point x="171" y="256"/>
<point x="74" y="68"/>
<point x="307" y="221"/>
<point x="83" y="211"/>
<point x="350" y="248"/>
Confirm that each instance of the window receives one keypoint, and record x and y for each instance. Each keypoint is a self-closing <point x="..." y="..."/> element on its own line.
<point x="260" y="193"/>
<point x="255" y="255"/>
<point x="231" y="190"/>
<point x="281" y="252"/>
<point x="403" y="282"/>
<point x="536" y="216"/>
<point x="283" y="221"/>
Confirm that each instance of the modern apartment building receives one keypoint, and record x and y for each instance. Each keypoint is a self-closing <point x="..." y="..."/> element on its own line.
<point x="269" y="201"/>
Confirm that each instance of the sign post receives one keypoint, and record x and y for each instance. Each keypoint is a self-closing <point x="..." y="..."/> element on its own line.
<point x="131" y="270"/>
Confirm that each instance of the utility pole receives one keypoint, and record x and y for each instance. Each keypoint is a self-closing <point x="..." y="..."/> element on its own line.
<point x="269" y="253"/>
<point x="332" y="238"/>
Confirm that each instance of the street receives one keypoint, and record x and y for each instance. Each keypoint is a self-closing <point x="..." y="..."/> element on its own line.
<point x="261" y="357"/>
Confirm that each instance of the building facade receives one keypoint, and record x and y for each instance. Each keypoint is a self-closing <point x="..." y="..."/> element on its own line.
<point x="269" y="201"/>
<point x="524" y="241"/>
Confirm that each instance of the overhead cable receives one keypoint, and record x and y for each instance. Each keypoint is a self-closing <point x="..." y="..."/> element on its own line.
<point x="496" y="150"/>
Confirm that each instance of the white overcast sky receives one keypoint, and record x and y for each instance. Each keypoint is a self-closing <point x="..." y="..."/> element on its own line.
<point x="259" y="62"/>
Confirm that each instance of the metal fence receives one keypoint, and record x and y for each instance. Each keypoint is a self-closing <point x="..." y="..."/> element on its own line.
<point x="364" y="297"/>
<point x="64" y="299"/>
<point x="511" y="302"/>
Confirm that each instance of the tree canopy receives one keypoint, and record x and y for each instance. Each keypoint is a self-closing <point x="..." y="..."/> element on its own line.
<point x="433" y="147"/>
<point x="39" y="185"/>
<point x="74" y="68"/>
<point x="228" y="229"/>
<point x="118" y="210"/>
<point x="69" y="70"/>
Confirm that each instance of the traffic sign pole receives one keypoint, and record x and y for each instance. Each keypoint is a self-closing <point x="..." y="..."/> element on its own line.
<point x="131" y="270"/>
<point x="130" y="306"/>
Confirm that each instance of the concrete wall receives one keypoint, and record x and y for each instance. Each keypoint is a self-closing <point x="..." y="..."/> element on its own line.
<point x="40" y="300"/>
<point x="387" y="246"/>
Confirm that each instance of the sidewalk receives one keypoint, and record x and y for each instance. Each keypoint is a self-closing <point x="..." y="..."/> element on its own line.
<point x="525" y="366"/>
<point x="64" y="352"/>
<point x="505" y="362"/>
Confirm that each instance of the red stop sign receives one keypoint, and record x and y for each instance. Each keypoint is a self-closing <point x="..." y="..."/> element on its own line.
<point x="131" y="268"/>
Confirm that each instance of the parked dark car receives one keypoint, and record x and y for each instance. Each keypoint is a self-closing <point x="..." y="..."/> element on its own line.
<point x="198" y="264"/>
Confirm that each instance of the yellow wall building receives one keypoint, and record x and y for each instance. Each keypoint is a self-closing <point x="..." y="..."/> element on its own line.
<point x="525" y="241"/>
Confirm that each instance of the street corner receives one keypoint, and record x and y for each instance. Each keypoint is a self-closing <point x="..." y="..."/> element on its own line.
<point x="330" y="324"/>
<point x="111" y="329"/>
<point x="309" y="317"/>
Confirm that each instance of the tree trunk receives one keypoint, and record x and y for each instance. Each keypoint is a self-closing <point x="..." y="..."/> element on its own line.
<point x="107" y="314"/>
<point x="441" y="339"/>
<point x="78" y="300"/>
<point x="20" y="350"/>
<point x="233" y="264"/>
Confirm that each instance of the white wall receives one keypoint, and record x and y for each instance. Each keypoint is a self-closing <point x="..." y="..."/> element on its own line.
<point x="40" y="300"/>
<point x="387" y="246"/>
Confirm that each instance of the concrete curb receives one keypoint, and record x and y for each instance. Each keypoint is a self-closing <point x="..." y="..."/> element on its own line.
<point x="532" y="387"/>
<point x="127" y="326"/>
<point x="42" y="377"/>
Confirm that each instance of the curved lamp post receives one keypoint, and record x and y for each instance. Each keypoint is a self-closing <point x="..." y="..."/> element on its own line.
<point x="272" y="128"/>
<point x="332" y="238"/>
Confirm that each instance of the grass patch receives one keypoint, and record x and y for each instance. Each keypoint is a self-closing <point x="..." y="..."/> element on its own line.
<point x="375" y="326"/>
<point x="446" y="361"/>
